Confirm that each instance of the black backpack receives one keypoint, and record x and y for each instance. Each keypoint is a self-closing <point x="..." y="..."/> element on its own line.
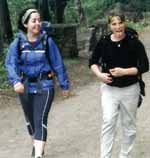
<point x="134" y="34"/>
<point x="131" y="32"/>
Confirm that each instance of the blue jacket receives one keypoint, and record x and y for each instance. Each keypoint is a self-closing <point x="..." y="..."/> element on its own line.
<point x="35" y="62"/>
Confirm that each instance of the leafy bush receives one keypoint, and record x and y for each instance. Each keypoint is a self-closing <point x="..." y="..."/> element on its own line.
<point x="137" y="26"/>
<point x="71" y="13"/>
<point x="15" y="6"/>
<point x="3" y="77"/>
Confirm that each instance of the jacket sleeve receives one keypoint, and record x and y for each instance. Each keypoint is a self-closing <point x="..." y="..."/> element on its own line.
<point x="11" y="62"/>
<point x="58" y="65"/>
<point x="143" y="63"/>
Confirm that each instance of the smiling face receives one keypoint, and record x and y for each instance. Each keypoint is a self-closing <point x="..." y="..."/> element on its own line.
<point x="34" y="24"/>
<point x="117" y="26"/>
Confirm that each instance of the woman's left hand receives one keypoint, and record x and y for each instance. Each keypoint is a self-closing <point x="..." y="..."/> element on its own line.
<point x="65" y="93"/>
<point x="118" y="72"/>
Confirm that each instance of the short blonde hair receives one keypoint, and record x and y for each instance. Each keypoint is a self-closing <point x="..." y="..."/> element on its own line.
<point x="118" y="15"/>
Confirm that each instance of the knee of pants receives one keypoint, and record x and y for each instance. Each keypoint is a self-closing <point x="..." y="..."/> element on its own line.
<point x="40" y="132"/>
<point x="109" y="119"/>
<point x="109" y="122"/>
<point x="129" y="131"/>
<point x="39" y="123"/>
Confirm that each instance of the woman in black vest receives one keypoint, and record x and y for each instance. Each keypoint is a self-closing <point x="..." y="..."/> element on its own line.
<point x="122" y="59"/>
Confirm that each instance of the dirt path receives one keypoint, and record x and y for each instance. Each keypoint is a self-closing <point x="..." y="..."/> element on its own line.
<point x="74" y="125"/>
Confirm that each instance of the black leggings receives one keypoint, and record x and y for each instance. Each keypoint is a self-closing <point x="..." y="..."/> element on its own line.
<point x="36" y="108"/>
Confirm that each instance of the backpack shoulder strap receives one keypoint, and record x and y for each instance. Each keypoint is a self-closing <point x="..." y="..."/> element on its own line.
<point x="142" y="85"/>
<point x="19" y="47"/>
<point x="46" y="47"/>
<point x="19" y="51"/>
<point x="104" y="39"/>
<point x="131" y="32"/>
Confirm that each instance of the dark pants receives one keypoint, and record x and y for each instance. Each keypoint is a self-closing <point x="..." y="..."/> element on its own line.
<point x="36" y="108"/>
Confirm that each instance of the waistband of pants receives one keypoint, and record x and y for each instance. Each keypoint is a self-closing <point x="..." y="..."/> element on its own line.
<point x="43" y="76"/>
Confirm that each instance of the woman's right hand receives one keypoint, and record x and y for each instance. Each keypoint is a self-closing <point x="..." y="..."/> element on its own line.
<point x="106" y="78"/>
<point x="19" y="87"/>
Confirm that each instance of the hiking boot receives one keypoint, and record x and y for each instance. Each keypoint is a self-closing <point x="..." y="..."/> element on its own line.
<point x="43" y="153"/>
<point x="33" y="153"/>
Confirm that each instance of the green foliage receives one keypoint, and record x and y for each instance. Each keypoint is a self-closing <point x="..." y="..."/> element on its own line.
<point x="96" y="9"/>
<point x="93" y="10"/>
<point x="15" y="6"/>
<point x="138" y="26"/>
<point x="4" y="84"/>
<point x="74" y="61"/>
<point x="71" y="15"/>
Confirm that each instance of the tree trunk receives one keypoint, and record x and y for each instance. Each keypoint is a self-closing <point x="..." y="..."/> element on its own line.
<point x="57" y="6"/>
<point x="81" y="13"/>
<point x="60" y="7"/>
<point x="43" y="7"/>
<point x="6" y="28"/>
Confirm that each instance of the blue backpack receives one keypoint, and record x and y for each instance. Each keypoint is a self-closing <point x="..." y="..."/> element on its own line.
<point x="47" y="29"/>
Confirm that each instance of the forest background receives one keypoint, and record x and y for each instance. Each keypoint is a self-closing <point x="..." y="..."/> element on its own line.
<point x="82" y="12"/>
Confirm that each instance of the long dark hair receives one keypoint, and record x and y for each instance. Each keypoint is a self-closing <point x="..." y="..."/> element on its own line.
<point x="21" y="14"/>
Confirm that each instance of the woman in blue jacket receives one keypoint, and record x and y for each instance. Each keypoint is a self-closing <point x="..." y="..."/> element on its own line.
<point x="30" y="71"/>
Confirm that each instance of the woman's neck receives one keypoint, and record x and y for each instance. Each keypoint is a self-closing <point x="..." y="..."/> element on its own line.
<point x="117" y="38"/>
<point x="32" y="37"/>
